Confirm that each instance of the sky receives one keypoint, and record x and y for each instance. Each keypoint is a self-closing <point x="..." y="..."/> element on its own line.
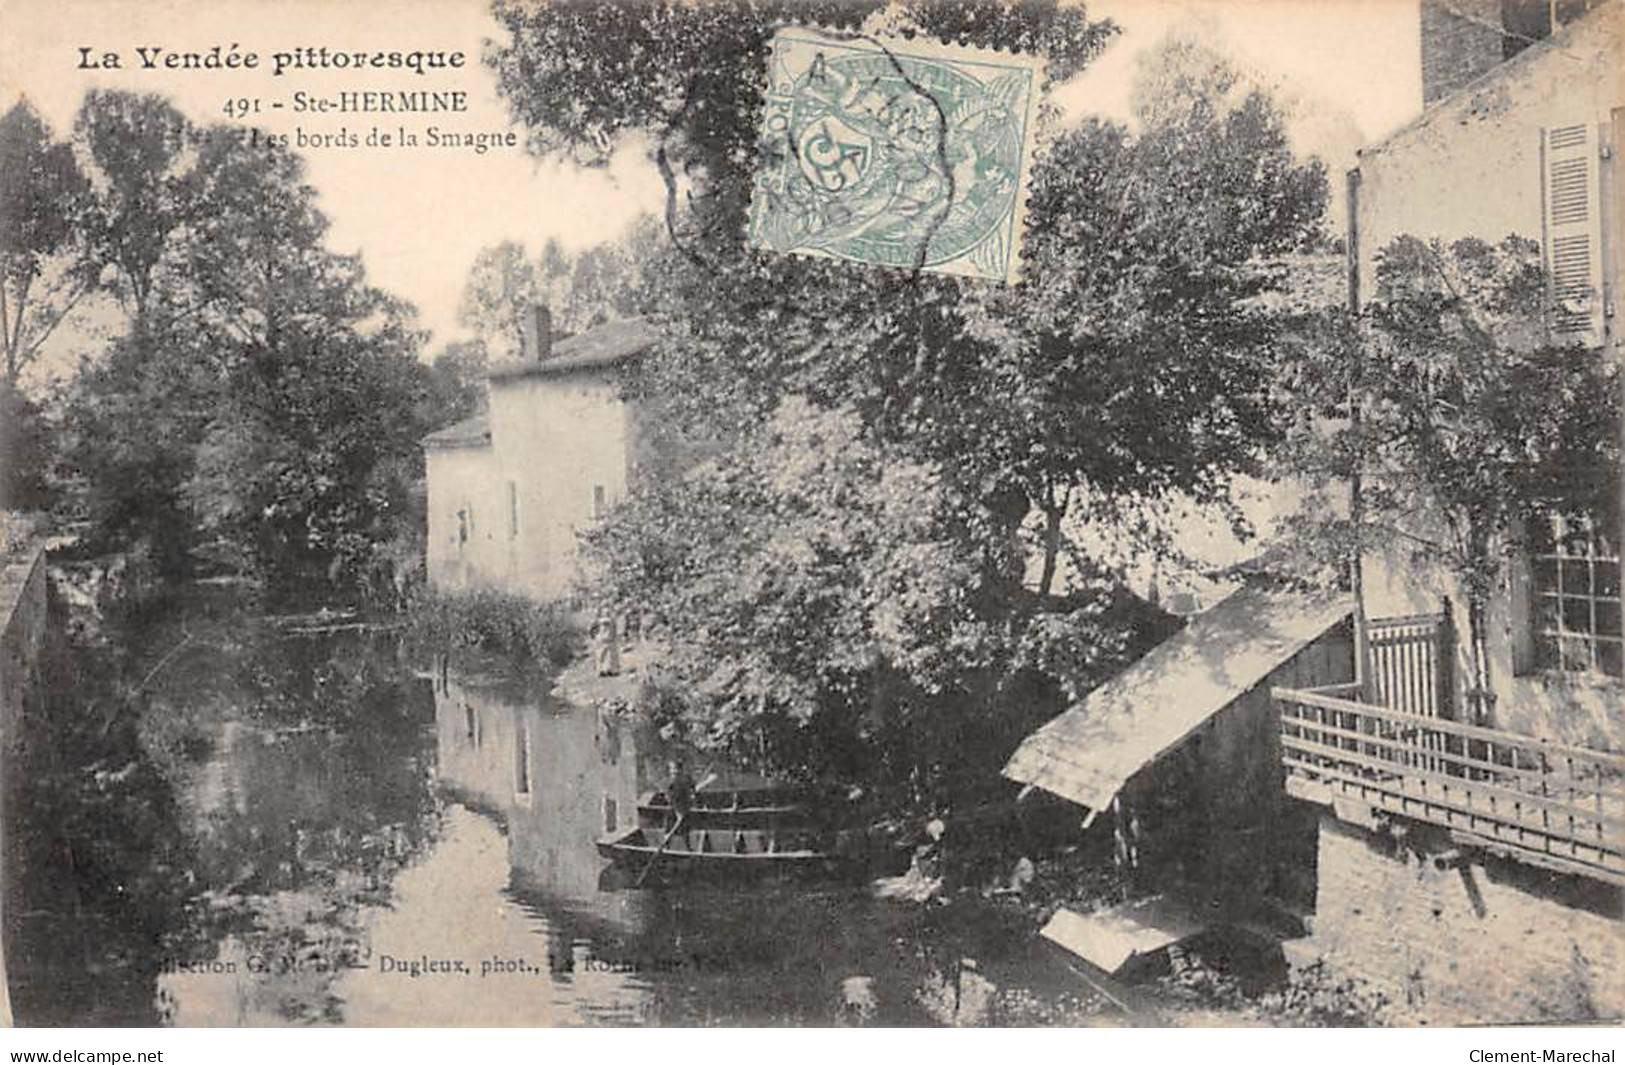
<point x="1346" y="69"/>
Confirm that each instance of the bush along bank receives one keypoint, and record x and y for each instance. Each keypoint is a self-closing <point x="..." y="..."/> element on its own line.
<point x="530" y="637"/>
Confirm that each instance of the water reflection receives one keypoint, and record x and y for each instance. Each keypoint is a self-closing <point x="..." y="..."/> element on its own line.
<point x="350" y="844"/>
<point x="559" y="777"/>
<point x="298" y="834"/>
<point x="394" y="871"/>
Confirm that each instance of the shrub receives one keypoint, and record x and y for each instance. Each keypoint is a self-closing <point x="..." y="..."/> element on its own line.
<point x="531" y="635"/>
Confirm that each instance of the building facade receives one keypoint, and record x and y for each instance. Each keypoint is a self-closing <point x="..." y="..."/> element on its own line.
<point x="1522" y="146"/>
<point x="1469" y="865"/>
<point x="509" y="490"/>
<point x="1470" y="852"/>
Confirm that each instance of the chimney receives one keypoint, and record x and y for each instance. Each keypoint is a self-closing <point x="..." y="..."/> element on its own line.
<point x="1461" y="40"/>
<point x="536" y="329"/>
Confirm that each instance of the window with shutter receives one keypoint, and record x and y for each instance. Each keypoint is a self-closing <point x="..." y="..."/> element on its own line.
<point x="1573" y="232"/>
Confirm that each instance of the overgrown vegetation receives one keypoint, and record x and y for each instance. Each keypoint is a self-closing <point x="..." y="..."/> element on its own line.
<point x="476" y="626"/>
<point x="844" y="580"/>
<point x="1466" y="421"/>
<point x="256" y="406"/>
<point x="97" y="859"/>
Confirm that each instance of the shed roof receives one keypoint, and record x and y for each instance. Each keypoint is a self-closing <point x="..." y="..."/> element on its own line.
<point x="601" y="346"/>
<point x="1090" y="751"/>
<point x="470" y="432"/>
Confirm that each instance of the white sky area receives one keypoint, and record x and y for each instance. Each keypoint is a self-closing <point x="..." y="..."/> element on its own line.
<point x="1347" y="69"/>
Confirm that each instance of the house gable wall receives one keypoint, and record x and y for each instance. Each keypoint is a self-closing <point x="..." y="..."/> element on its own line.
<point x="557" y="438"/>
<point x="1471" y="167"/>
<point x="559" y="443"/>
<point x="463" y="479"/>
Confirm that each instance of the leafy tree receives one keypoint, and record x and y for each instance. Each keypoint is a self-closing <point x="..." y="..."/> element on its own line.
<point x="456" y="382"/>
<point x="1131" y="364"/>
<point x="44" y="271"/>
<point x="821" y="608"/>
<point x="1473" y="425"/>
<point x="1003" y="385"/>
<point x="501" y="284"/>
<point x="24" y="452"/>
<point x="136" y="145"/>
<point x="263" y="410"/>
<point x="580" y="289"/>
<point x="1137" y="362"/>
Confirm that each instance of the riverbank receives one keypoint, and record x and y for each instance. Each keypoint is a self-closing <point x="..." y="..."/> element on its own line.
<point x="228" y="822"/>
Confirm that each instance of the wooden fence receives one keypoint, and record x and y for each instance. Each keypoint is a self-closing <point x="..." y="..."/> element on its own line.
<point x="1550" y="804"/>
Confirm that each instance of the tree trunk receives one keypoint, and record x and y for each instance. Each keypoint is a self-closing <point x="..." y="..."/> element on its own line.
<point x="1052" y="547"/>
<point x="5" y="335"/>
<point x="1480" y="699"/>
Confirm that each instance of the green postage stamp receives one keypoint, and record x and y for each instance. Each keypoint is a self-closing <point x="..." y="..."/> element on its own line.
<point x="903" y="153"/>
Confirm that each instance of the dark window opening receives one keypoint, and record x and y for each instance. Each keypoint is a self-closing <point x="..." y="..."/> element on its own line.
<point x="1579" y="624"/>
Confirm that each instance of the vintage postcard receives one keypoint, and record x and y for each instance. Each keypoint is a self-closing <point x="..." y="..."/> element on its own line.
<point x="883" y="513"/>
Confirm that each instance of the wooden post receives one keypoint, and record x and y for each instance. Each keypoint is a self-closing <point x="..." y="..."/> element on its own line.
<point x="1362" y="636"/>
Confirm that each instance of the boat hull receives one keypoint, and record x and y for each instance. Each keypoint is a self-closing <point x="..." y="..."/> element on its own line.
<point x="732" y="855"/>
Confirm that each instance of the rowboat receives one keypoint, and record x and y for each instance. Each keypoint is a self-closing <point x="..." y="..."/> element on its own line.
<point x="724" y="810"/>
<point x="724" y="853"/>
<point x="741" y="827"/>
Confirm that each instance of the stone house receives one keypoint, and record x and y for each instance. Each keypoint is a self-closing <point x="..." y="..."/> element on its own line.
<point x="509" y="489"/>
<point x="1469" y="865"/>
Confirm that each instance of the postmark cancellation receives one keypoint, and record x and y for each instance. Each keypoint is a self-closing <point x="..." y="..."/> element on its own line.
<point x="909" y="154"/>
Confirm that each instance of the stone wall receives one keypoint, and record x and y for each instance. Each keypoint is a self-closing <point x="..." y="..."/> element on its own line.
<point x="22" y="642"/>
<point x="1459" y="938"/>
<point x="22" y="631"/>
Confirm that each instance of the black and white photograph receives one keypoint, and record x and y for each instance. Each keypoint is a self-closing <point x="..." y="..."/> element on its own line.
<point x="815" y="514"/>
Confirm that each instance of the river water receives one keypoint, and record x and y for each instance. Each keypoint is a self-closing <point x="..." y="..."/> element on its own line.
<point x="429" y="859"/>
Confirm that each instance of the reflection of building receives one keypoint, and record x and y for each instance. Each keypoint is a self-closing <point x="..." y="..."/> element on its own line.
<point x="1474" y="873"/>
<point x="560" y="777"/>
<point x="474" y="729"/>
<point x="508" y="490"/>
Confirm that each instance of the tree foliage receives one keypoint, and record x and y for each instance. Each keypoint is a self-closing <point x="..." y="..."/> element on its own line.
<point x="580" y="289"/>
<point x="819" y="601"/>
<point x="45" y="265"/>
<point x="263" y="407"/>
<point x="849" y="561"/>
<point x="1473" y="422"/>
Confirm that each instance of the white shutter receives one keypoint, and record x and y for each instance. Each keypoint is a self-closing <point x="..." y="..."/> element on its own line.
<point x="1573" y="221"/>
